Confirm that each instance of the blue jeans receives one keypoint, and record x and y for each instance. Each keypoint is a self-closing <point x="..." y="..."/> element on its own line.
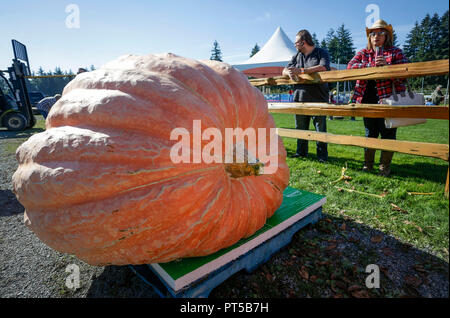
<point x="375" y="127"/>
<point x="320" y="124"/>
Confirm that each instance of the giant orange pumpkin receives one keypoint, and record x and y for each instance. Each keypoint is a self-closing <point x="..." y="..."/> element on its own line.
<point x="100" y="183"/>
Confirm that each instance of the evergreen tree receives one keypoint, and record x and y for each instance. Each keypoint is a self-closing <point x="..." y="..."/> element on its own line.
<point x="315" y="40"/>
<point x="216" y="53"/>
<point x="395" y="39"/>
<point x="323" y="44"/>
<point x="346" y="50"/>
<point x="412" y="43"/>
<point x="332" y="45"/>
<point x="443" y="37"/>
<point x="428" y="41"/>
<point x="255" y="50"/>
<point x="434" y="33"/>
<point x="339" y="44"/>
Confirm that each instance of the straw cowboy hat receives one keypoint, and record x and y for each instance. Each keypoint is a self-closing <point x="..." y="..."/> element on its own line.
<point x="380" y="24"/>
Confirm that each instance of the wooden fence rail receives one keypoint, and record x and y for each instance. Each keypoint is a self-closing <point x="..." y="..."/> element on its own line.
<point x="425" y="149"/>
<point x="440" y="67"/>
<point x="361" y="110"/>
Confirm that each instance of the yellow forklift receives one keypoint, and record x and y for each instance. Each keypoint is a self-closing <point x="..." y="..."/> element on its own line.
<point x="15" y="107"/>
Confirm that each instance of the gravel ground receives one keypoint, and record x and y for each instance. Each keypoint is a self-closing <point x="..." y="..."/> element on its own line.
<point x="327" y="259"/>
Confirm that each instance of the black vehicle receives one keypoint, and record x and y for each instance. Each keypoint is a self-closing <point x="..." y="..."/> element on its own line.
<point x="15" y="107"/>
<point x="35" y="97"/>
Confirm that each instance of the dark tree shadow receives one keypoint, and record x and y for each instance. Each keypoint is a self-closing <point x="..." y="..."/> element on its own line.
<point x="119" y="282"/>
<point x="9" y="204"/>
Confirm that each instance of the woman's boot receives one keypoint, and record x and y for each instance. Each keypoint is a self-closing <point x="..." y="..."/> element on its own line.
<point x="369" y="157"/>
<point x="385" y="163"/>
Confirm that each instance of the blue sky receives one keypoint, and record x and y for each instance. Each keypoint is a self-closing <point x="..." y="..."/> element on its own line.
<point x="108" y="29"/>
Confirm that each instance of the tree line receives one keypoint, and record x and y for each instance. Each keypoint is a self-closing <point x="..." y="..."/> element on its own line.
<point x="427" y="40"/>
<point x="51" y="85"/>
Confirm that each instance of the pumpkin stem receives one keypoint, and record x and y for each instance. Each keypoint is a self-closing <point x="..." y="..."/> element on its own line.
<point x="239" y="170"/>
<point x="245" y="168"/>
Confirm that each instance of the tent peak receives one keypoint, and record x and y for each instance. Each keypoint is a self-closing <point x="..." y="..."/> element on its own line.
<point x="278" y="48"/>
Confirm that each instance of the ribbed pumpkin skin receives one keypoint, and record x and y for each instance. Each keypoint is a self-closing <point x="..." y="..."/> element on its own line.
<point x="99" y="182"/>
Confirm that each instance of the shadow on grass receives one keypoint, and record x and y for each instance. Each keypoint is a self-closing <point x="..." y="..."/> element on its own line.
<point x="6" y="134"/>
<point x="327" y="259"/>
<point x="426" y="171"/>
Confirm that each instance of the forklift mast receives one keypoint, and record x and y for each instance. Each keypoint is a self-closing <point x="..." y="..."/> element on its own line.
<point x="17" y="72"/>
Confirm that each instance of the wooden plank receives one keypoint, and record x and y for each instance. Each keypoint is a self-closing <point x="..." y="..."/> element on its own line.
<point x="361" y="110"/>
<point x="425" y="149"/>
<point x="439" y="67"/>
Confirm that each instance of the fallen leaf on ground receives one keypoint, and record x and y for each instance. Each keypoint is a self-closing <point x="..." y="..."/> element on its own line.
<point x="360" y="294"/>
<point x="313" y="279"/>
<point x="343" y="227"/>
<point x="387" y="251"/>
<point x="314" y="251"/>
<point x="397" y="208"/>
<point x="341" y="285"/>
<point x="322" y="263"/>
<point x="354" y="288"/>
<point x="413" y="281"/>
<point x="376" y="238"/>
<point x="331" y="247"/>
<point x="413" y="224"/>
<point x="385" y="271"/>
<point x="303" y="273"/>
<point x="420" y="268"/>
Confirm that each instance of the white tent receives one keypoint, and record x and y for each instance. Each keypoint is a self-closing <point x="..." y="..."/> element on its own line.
<point x="273" y="57"/>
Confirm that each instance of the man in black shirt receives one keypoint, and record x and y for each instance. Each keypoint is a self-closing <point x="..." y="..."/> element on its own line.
<point x="309" y="59"/>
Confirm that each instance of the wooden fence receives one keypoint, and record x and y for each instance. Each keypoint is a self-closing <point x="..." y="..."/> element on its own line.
<point x="440" y="67"/>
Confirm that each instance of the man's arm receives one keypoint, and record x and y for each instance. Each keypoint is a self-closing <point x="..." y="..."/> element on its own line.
<point x="314" y="69"/>
<point x="288" y="70"/>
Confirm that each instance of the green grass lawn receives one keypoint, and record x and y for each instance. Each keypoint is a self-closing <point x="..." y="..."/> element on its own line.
<point x="423" y="221"/>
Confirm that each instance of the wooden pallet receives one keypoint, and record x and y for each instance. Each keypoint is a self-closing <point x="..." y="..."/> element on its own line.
<point x="197" y="276"/>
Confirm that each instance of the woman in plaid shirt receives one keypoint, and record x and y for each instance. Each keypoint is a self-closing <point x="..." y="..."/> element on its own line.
<point x="379" y="52"/>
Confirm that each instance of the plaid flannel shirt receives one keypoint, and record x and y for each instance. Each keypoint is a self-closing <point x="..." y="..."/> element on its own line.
<point x="366" y="58"/>
<point x="46" y="103"/>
